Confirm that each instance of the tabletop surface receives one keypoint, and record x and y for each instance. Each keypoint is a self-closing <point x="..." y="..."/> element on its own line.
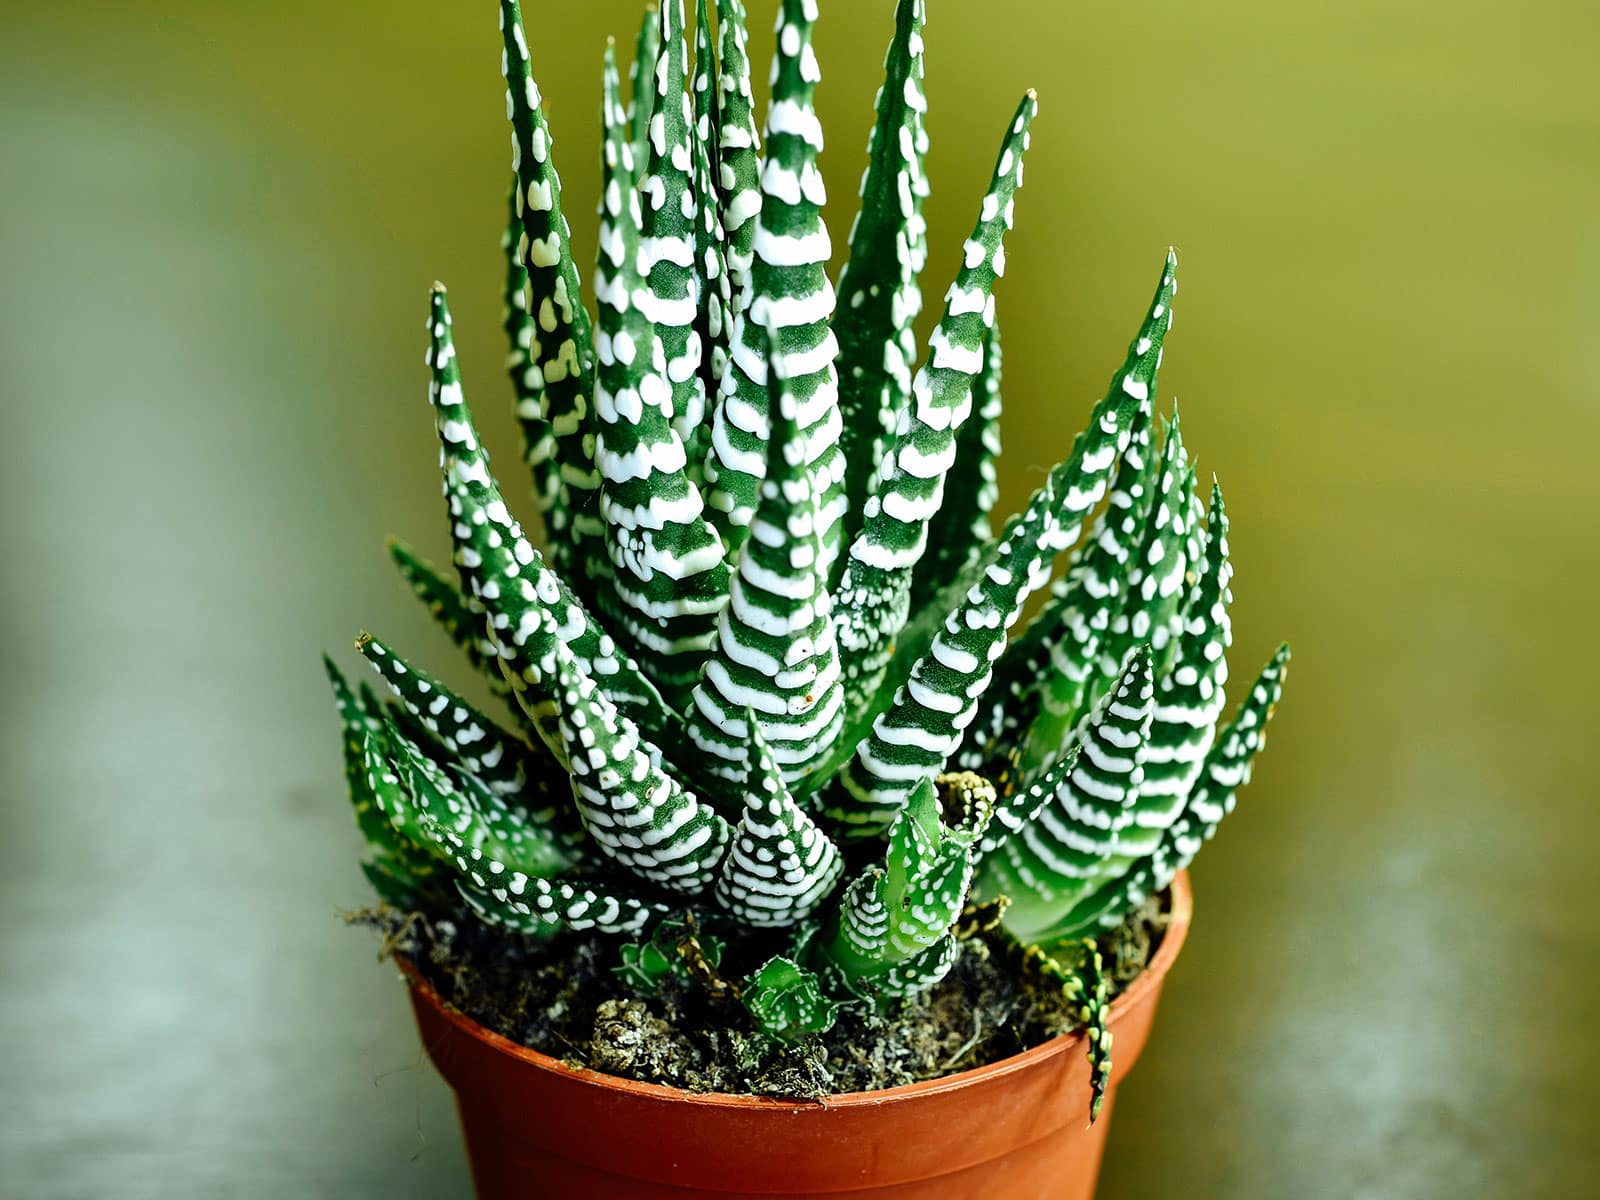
<point x="218" y="224"/>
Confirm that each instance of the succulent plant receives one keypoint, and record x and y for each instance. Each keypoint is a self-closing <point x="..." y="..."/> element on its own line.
<point x="761" y="676"/>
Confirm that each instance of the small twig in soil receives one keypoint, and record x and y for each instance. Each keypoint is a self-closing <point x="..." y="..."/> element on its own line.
<point x="982" y="918"/>
<point x="977" y="1036"/>
<point x="382" y="918"/>
<point x="720" y="990"/>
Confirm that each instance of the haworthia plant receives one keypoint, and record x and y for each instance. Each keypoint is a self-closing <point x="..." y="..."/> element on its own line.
<point x="761" y="676"/>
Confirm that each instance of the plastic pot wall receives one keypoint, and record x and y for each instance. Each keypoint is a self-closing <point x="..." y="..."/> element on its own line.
<point x="1017" y="1129"/>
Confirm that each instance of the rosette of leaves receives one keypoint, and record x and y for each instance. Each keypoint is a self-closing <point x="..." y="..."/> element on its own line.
<point x="762" y="676"/>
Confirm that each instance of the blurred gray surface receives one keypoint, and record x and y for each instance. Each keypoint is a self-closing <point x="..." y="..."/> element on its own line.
<point x="218" y="224"/>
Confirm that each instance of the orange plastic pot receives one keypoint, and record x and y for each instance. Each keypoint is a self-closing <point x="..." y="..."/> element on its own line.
<point x="1014" y="1130"/>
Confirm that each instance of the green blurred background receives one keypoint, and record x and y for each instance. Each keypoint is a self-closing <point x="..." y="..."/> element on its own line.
<point x="217" y="225"/>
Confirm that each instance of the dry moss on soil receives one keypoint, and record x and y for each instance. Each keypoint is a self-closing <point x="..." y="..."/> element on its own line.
<point x="559" y="995"/>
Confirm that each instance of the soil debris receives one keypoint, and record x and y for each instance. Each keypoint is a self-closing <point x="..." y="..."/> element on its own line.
<point x="559" y="994"/>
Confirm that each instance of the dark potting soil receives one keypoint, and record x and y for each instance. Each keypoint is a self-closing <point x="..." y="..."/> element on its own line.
<point x="560" y="996"/>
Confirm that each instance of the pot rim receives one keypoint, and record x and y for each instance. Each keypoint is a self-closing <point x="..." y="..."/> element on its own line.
<point x="1136" y="994"/>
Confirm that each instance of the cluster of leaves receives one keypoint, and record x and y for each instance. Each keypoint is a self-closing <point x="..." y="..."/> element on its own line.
<point x="762" y="674"/>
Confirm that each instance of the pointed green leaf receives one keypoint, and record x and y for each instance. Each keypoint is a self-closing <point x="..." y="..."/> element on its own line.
<point x="670" y="575"/>
<point x="528" y="779"/>
<point x="1157" y="576"/>
<point x="547" y="904"/>
<point x="401" y="872"/>
<point x="959" y="531"/>
<point x="498" y="758"/>
<point x="1077" y="620"/>
<point x="642" y="95"/>
<point x="527" y="385"/>
<point x="561" y="343"/>
<point x="1048" y="677"/>
<point x="638" y="815"/>
<point x="781" y="865"/>
<point x="901" y="913"/>
<point x="670" y="300"/>
<point x="738" y="146"/>
<point x="1189" y="696"/>
<point x="787" y="1001"/>
<point x="1019" y="807"/>
<point x="462" y="820"/>
<point x="924" y="623"/>
<point x="392" y="792"/>
<point x="1226" y="770"/>
<point x="1061" y="854"/>
<point x="775" y="651"/>
<point x="459" y="616"/>
<point x="1227" y="767"/>
<point x="712" y="322"/>
<point x="787" y="320"/>
<point x="530" y="610"/>
<point x="888" y="248"/>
